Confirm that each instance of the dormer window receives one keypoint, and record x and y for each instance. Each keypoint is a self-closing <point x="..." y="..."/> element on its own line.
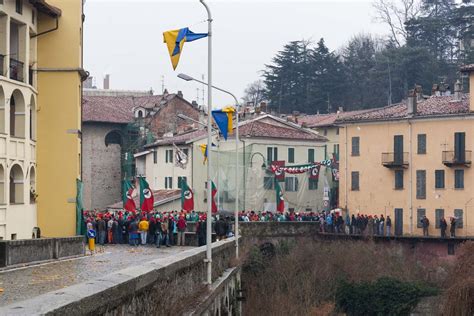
<point x="140" y="113"/>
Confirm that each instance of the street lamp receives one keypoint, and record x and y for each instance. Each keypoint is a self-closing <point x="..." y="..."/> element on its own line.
<point x="264" y="166"/>
<point x="237" y="180"/>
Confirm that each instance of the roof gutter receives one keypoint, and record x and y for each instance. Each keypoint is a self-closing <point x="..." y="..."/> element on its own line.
<point x="48" y="31"/>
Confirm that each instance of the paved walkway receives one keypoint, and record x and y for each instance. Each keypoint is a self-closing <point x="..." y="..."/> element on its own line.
<point x="24" y="283"/>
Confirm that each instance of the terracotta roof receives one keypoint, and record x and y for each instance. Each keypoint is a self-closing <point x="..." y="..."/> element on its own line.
<point x="320" y="120"/>
<point x="159" y="196"/>
<point x="432" y="107"/>
<point x="261" y="129"/>
<point x="467" y="68"/>
<point x="118" y="109"/>
<point x="179" y="139"/>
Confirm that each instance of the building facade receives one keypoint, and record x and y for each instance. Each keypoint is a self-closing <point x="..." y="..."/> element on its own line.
<point x="411" y="160"/>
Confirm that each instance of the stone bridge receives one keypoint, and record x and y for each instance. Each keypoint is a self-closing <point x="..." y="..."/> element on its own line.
<point x="175" y="284"/>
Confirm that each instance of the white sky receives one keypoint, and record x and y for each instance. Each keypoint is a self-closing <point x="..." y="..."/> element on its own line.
<point x="124" y="39"/>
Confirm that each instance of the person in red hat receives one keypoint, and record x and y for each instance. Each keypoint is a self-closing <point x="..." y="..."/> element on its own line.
<point x="181" y="225"/>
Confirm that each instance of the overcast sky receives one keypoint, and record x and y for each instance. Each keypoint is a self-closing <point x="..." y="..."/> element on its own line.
<point x="124" y="38"/>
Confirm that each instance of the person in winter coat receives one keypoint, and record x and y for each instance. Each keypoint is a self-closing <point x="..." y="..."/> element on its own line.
<point x="452" y="229"/>
<point x="425" y="223"/>
<point x="181" y="231"/>
<point x="388" y="224"/>
<point x="220" y="229"/>
<point x="443" y="225"/>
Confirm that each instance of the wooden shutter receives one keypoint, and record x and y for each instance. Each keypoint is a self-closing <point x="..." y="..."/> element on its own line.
<point x="419" y="215"/>
<point x="421" y="184"/>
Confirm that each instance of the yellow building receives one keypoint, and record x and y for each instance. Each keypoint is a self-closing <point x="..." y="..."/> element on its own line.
<point x="40" y="116"/>
<point x="412" y="159"/>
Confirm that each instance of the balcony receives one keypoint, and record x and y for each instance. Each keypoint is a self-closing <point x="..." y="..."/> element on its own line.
<point x="395" y="160"/>
<point x="16" y="70"/>
<point x="2" y="72"/>
<point x="452" y="159"/>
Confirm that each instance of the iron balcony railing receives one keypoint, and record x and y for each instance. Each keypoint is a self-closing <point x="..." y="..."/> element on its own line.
<point x="30" y="76"/>
<point x="395" y="160"/>
<point x="457" y="158"/>
<point x="2" y="71"/>
<point x="16" y="70"/>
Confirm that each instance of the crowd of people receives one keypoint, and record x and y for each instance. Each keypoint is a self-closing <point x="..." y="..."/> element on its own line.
<point x="157" y="228"/>
<point x="169" y="228"/>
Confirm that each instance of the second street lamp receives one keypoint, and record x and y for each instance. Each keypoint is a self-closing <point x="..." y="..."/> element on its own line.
<point x="237" y="180"/>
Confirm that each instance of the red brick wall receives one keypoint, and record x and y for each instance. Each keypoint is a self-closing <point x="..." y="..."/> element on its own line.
<point x="166" y="119"/>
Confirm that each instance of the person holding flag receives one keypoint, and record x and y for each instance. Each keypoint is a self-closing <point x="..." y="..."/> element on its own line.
<point x="146" y="196"/>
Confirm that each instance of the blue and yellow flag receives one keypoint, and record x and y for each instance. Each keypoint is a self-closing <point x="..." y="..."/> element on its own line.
<point x="175" y="40"/>
<point x="223" y="119"/>
<point x="204" y="151"/>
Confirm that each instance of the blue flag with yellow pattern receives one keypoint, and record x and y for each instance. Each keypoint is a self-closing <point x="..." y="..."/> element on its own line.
<point x="175" y="40"/>
<point x="223" y="119"/>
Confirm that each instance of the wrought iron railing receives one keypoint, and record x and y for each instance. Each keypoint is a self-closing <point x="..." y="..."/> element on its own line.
<point x="395" y="159"/>
<point x="2" y="71"/>
<point x="16" y="69"/>
<point x="457" y="158"/>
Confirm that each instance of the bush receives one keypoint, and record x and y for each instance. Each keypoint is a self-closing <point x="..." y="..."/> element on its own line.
<point x="386" y="296"/>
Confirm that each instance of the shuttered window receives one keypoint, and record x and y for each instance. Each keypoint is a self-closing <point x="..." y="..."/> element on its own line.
<point x="421" y="184"/>
<point x="459" y="179"/>
<point x="419" y="215"/>
<point x="268" y="183"/>
<point x="155" y="157"/>
<point x="355" y="146"/>
<point x="439" y="214"/>
<point x="458" y="214"/>
<point x="291" y="155"/>
<point x="311" y="155"/>
<point x="291" y="184"/>
<point x="313" y="184"/>
<point x="421" y="144"/>
<point x="439" y="179"/>
<point x="398" y="179"/>
<point x="355" y="180"/>
<point x="460" y="146"/>
<point x="272" y="154"/>
<point x="181" y="181"/>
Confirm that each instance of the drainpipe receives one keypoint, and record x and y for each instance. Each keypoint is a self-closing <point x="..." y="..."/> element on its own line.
<point x="47" y="31"/>
<point x="345" y="169"/>
<point x="244" y="177"/>
<point x="410" y="161"/>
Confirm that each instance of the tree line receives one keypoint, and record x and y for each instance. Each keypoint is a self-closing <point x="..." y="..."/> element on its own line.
<point x="428" y="40"/>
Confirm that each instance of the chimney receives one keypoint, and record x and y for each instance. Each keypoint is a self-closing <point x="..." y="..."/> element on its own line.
<point x="419" y="92"/>
<point x="341" y="109"/>
<point x="411" y="103"/>
<point x="469" y="69"/>
<point x="263" y="106"/>
<point x="195" y="104"/>
<point x="180" y="93"/>
<point x="107" y="82"/>
<point x="458" y="91"/>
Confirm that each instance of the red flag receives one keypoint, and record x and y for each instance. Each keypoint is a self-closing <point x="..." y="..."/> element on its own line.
<point x="130" y="204"/>
<point x="213" y="193"/>
<point x="187" y="197"/>
<point x="314" y="172"/>
<point x="280" y="201"/>
<point x="279" y="171"/>
<point x="146" y="196"/>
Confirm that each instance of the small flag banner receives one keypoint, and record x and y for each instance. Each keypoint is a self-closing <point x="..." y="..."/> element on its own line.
<point x="175" y="40"/>
<point x="280" y="169"/>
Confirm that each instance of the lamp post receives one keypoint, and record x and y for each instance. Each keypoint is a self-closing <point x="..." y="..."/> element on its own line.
<point x="237" y="180"/>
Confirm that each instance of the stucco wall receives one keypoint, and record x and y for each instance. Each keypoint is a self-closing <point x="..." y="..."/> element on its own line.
<point x="102" y="172"/>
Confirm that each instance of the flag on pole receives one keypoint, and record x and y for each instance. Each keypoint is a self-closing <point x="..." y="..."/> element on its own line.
<point x="127" y="196"/>
<point x="175" y="40"/>
<point x="280" y="201"/>
<point x="213" y="194"/>
<point x="181" y="157"/>
<point x="204" y="151"/>
<point x="146" y="196"/>
<point x="223" y="119"/>
<point x="187" y="197"/>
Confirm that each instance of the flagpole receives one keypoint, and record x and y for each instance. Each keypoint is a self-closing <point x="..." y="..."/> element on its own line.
<point x="209" y="145"/>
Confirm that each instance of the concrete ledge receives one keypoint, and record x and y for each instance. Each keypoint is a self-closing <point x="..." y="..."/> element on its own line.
<point x="16" y="252"/>
<point x="150" y="288"/>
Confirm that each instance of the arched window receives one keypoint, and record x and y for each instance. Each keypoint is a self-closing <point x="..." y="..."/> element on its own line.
<point x="32" y="118"/>
<point x="113" y="137"/>
<point x="32" y="185"/>
<point x="2" y="111"/>
<point x="16" y="185"/>
<point x="140" y="113"/>
<point x="17" y="114"/>
<point x="2" y="185"/>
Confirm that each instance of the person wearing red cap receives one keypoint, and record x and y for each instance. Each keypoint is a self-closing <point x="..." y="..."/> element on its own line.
<point x="181" y="230"/>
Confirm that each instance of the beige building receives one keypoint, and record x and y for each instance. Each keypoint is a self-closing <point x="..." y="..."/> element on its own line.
<point x="411" y="159"/>
<point x="264" y="139"/>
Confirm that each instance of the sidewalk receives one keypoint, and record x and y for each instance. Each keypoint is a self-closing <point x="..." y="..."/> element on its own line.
<point x="24" y="283"/>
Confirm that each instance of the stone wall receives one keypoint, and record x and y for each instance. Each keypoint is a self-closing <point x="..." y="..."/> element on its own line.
<point x="14" y="252"/>
<point x="165" y="286"/>
<point x="101" y="166"/>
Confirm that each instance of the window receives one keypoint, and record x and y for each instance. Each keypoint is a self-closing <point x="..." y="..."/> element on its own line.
<point x="313" y="184"/>
<point x="421" y="184"/>
<point x="337" y="131"/>
<point x="155" y="157"/>
<point x="398" y="179"/>
<point x="272" y="154"/>
<point x="168" y="182"/>
<point x="459" y="179"/>
<point x="335" y="150"/>
<point x="439" y="214"/>
<point x="19" y="6"/>
<point x="186" y="152"/>
<point x="268" y="183"/>
<point x="419" y="215"/>
<point x="291" y="184"/>
<point x="169" y="156"/>
<point x="355" y="180"/>
<point x="311" y="155"/>
<point x="460" y="146"/>
<point x="355" y="146"/>
<point x="325" y="132"/>
<point x="33" y="16"/>
<point x="291" y="155"/>
<point x="113" y="137"/>
<point x="421" y="144"/>
<point x="439" y="179"/>
<point x="458" y="214"/>
<point x="181" y="181"/>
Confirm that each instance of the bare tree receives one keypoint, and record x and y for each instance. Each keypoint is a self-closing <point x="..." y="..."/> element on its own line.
<point x="395" y="13"/>
<point x="254" y="92"/>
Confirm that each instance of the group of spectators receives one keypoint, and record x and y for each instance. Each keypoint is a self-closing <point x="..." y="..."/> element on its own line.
<point x="157" y="228"/>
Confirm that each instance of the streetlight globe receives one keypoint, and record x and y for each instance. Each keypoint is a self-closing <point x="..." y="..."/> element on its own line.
<point x="185" y="77"/>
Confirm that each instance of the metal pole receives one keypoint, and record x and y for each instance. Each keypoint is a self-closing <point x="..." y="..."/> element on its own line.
<point x="209" y="146"/>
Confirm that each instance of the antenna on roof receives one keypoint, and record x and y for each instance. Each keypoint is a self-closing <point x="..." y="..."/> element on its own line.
<point x="162" y="84"/>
